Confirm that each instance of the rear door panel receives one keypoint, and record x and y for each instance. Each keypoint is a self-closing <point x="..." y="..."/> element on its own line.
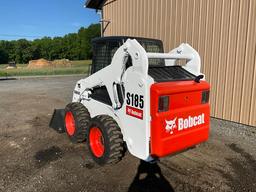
<point x="187" y="121"/>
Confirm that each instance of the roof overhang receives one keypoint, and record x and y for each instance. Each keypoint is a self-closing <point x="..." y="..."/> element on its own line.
<point x="94" y="4"/>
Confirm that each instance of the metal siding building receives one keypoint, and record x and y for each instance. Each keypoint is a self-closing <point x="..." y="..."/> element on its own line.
<point x="223" y="31"/>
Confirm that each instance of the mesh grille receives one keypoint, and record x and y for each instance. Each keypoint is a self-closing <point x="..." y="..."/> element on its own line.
<point x="153" y="47"/>
<point x="171" y="73"/>
<point x="103" y="53"/>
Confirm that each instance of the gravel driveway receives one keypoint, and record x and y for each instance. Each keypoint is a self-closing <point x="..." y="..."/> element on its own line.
<point x="34" y="157"/>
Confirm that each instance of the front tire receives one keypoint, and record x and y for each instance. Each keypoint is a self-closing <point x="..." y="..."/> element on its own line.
<point x="77" y="119"/>
<point x="105" y="140"/>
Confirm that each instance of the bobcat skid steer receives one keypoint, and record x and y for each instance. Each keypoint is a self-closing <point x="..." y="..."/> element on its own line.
<point x="138" y="98"/>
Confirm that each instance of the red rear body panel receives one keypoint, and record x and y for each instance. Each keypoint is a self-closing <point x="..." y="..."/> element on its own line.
<point x="187" y="121"/>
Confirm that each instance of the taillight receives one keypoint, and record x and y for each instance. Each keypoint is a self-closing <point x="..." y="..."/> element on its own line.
<point x="163" y="103"/>
<point x="205" y="97"/>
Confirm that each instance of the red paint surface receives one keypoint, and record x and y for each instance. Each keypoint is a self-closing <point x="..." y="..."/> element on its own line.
<point x="70" y="123"/>
<point x="184" y="101"/>
<point x="96" y="142"/>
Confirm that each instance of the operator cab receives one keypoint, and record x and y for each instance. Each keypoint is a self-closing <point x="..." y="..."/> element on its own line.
<point x="104" y="49"/>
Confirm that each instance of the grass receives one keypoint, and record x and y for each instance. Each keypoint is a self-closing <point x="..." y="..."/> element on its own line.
<point x="77" y="67"/>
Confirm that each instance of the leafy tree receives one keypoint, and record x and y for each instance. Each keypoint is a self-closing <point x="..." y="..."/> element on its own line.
<point x="73" y="46"/>
<point x="86" y="35"/>
<point x="3" y="56"/>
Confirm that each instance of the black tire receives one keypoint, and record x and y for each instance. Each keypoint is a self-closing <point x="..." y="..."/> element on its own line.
<point x="81" y="117"/>
<point x="111" y="139"/>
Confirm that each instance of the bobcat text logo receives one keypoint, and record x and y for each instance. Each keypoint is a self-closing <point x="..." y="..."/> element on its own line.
<point x="184" y="123"/>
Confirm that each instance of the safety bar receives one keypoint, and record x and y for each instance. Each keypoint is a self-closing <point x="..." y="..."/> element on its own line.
<point x="169" y="56"/>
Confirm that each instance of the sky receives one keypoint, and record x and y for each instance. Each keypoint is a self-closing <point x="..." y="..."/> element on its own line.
<point x="31" y="19"/>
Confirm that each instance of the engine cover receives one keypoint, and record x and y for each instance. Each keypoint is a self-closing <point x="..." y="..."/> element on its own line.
<point x="186" y="122"/>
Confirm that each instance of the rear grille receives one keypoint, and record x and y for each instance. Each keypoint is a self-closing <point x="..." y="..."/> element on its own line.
<point x="169" y="73"/>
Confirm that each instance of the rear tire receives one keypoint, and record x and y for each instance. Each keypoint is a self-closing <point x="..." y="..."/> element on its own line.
<point x="77" y="119"/>
<point x="105" y="140"/>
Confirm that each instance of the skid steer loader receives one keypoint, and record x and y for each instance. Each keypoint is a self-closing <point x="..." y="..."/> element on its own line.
<point x="138" y="98"/>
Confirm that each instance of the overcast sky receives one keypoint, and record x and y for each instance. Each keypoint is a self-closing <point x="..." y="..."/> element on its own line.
<point x="32" y="19"/>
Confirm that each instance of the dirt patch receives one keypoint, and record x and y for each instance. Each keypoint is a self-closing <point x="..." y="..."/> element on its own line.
<point x="89" y="165"/>
<point x="39" y="121"/>
<point x="40" y="63"/>
<point x="61" y="63"/>
<point x="46" y="156"/>
<point x="43" y="63"/>
<point x="243" y="177"/>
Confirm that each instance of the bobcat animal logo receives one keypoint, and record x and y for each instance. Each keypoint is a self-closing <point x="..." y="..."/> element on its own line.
<point x="171" y="125"/>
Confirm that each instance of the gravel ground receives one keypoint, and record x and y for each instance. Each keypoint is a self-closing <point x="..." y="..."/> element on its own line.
<point x="36" y="158"/>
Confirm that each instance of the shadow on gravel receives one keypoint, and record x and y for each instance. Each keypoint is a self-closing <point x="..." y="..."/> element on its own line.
<point x="149" y="178"/>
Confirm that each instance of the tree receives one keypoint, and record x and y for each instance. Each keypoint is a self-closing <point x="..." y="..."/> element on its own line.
<point x="73" y="46"/>
<point x="3" y="56"/>
<point x="22" y="52"/>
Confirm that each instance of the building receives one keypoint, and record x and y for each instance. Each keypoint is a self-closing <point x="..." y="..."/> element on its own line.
<point x="223" y="32"/>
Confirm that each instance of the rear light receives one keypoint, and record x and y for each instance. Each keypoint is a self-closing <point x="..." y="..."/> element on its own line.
<point x="205" y="96"/>
<point x="163" y="103"/>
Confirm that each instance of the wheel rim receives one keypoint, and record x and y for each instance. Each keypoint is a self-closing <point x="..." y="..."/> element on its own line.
<point x="96" y="141"/>
<point x="70" y="123"/>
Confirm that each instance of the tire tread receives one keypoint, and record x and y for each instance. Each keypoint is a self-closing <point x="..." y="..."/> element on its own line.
<point x="116" y="143"/>
<point x="83" y="118"/>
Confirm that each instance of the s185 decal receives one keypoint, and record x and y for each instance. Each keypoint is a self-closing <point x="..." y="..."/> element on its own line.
<point x="135" y="100"/>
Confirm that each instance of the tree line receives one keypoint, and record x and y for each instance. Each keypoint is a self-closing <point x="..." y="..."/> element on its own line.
<point x="73" y="46"/>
